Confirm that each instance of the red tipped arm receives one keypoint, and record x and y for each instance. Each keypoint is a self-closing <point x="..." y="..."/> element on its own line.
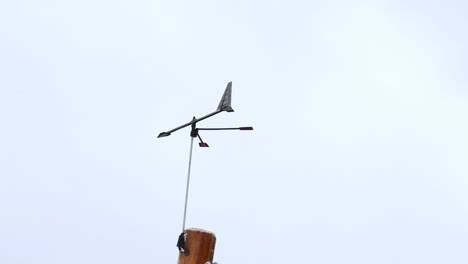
<point x="226" y="128"/>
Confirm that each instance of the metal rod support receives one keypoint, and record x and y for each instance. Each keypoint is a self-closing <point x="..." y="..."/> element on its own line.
<point x="188" y="184"/>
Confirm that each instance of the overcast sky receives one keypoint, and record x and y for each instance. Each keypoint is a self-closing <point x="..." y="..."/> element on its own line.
<point x="359" y="153"/>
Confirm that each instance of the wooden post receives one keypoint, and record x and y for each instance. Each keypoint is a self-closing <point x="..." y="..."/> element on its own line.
<point x="201" y="245"/>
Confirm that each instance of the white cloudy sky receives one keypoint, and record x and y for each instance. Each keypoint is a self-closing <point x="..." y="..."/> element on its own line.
<point x="358" y="155"/>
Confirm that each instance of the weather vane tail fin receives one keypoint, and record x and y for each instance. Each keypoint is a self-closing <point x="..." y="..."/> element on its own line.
<point x="225" y="103"/>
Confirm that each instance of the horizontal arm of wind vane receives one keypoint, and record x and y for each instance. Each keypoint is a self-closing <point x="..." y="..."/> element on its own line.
<point x="224" y="105"/>
<point x="227" y="128"/>
<point x="194" y="121"/>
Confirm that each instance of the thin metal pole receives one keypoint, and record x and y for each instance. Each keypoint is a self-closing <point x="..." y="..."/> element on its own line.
<point x="188" y="184"/>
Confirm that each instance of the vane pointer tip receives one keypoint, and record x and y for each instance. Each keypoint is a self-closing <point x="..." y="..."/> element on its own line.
<point x="164" y="134"/>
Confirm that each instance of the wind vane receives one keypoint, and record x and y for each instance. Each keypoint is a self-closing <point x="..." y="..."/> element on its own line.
<point x="224" y="106"/>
